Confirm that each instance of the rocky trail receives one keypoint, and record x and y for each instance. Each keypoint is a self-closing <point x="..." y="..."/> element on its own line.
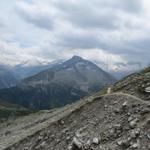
<point x="114" y="121"/>
<point x="137" y="84"/>
<point x="14" y="131"/>
<point x="109" y="90"/>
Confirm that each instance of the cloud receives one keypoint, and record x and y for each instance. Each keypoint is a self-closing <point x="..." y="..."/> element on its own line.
<point x="76" y="40"/>
<point x="95" y="14"/>
<point x="1" y="24"/>
<point x="99" y="30"/>
<point x="97" y="18"/>
<point x="98" y="13"/>
<point x="130" y="63"/>
<point x="35" y="14"/>
<point x="12" y="53"/>
<point x="128" y="67"/>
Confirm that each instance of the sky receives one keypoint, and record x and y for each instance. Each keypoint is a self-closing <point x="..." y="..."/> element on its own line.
<point x="108" y="32"/>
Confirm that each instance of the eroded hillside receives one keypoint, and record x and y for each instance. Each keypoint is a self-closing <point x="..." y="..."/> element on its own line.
<point x="137" y="84"/>
<point x="114" y="121"/>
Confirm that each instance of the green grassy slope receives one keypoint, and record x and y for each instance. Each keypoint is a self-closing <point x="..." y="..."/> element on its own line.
<point x="8" y="110"/>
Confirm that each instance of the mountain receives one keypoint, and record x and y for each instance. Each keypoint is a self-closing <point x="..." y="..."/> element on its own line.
<point x="12" y="75"/>
<point x="121" y="70"/>
<point x="32" y="67"/>
<point x="123" y="122"/>
<point x="7" y="77"/>
<point x="112" y="121"/>
<point x="60" y="85"/>
<point x="137" y="84"/>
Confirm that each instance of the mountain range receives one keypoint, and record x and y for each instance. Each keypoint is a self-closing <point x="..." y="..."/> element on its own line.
<point x="7" y="77"/>
<point x="12" y="75"/>
<point x="61" y="84"/>
<point x="30" y="67"/>
<point x="115" y="118"/>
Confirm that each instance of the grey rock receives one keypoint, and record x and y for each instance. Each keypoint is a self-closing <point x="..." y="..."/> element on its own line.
<point x="95" y="141"/>
<point x="133" y="123"/>
<point x="135" y="133"/>
<point x="76" y="144"/>
<point x="135" y="145"/>
<point x="147" y="90"/>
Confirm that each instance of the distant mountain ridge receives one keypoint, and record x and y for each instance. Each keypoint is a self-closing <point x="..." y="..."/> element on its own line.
<point x="7" y="77"/>
<point x="12" y="75"/>
<point x="61" y="84"/>
<point x="29" y="68"/>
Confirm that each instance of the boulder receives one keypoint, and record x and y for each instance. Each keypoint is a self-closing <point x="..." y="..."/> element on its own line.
<point x="147" y="90"/>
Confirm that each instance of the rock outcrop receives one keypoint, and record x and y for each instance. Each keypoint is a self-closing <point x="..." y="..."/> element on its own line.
<point x="137" y="84"/>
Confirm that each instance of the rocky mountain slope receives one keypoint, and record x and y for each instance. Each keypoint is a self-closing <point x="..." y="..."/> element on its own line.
<point x="7" y="78"/>
<point x="115" y="121"/>
<point x="59" y="85"/>
<point x="137" y="84"/>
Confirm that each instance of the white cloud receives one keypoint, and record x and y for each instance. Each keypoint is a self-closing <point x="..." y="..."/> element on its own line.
<point x="99" y="30"/>
<point x="12" y="53"/>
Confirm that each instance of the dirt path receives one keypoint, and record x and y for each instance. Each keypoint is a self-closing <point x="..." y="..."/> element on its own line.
<point x="109" y="90"/>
